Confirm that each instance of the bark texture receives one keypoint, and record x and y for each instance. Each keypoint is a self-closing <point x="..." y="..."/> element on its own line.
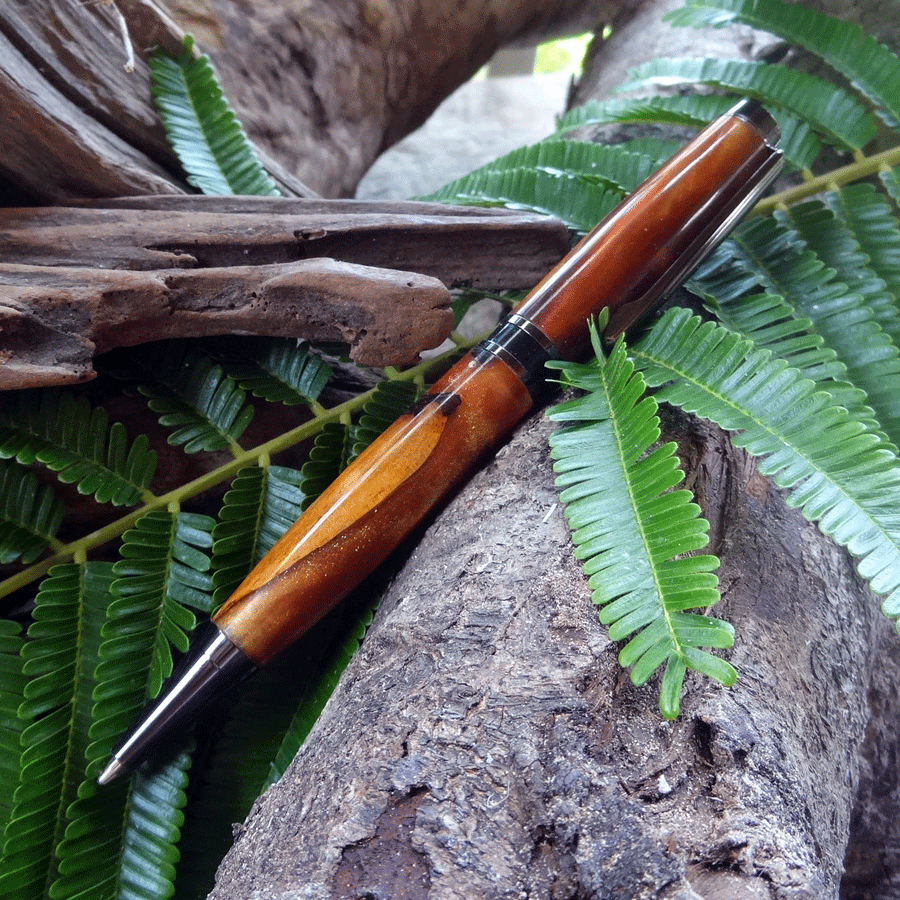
<point x="484" y="743"/>
<point x="322" y="86"/>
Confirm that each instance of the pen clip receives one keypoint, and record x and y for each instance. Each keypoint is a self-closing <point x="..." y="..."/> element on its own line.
<point x="627" y="315"/>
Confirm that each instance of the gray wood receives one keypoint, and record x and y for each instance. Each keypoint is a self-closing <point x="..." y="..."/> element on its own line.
<point x="54" y="320"/>
<point x="491" y="249"/>
<point x="485" y="744"/>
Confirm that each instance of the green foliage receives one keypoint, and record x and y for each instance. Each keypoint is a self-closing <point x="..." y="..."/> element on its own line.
<point x="201" y="127"/>
<point x="632" y="529"/>
<point x="802" y="366"/>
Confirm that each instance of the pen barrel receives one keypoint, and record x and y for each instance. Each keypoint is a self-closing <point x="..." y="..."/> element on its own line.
<point x="374" y="504"/>
<point x="652" y="241"/>
<point x="627" y="262"/>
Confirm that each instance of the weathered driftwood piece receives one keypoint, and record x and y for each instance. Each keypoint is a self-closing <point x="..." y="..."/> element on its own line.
<point x="485" y="744"/>
<point x="486" y="248"/>
<point x="51" y="148"/>
<point x="331" y="84"/>
<point x="216" y="265"/>
<point x="75" y="107"/>
<point x="54" y="320"/>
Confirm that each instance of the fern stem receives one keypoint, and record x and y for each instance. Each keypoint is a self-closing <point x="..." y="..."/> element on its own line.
<point x="242" y="458"/>
<point x="855" y="171"/>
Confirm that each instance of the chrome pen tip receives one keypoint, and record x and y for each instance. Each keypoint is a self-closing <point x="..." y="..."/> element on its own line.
<point x="112" y="771"/>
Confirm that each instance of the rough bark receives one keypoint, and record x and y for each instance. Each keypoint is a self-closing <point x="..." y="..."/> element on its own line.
<point x="322" y="86"/>
<point x="484" y="743"/>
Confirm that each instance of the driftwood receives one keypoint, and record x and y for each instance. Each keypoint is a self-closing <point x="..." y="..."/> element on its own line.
<point x="485" y="248"/>
<point x="206" y="265"/>
<point x="55" y="320"/>
<point x="331" y="84"/>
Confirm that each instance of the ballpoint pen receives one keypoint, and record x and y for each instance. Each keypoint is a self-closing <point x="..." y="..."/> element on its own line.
<point x="629" y="262"/>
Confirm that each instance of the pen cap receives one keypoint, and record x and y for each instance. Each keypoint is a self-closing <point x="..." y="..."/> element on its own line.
<point x="652" y="241"/>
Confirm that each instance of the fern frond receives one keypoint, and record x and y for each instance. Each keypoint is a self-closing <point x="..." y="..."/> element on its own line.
<point x="280" y="370"/>
<point x="839" y="475"/>
<point x="202" y="128"/>
<point x="12" y="688"/>
<point x="327" y="459"/>
<point x="163" y="573"/>
<point x="875" y="357"/>
<point x="616" y="169"/>
<point x="778" y="255"/>
<point x="890" y="178"/>
<point x="205" y="407"/>
<point x="578" y="200"/>
<point x="260" y="506"/>
<point x="631" y="528"/>
<point x="876" y="230"/>
<point x="799" y="145"/>
<point x="30" y="515"/>
<point x="59" y="662"/>
<point x="388" y="402"/>
<point x="832" y="111"/>
<point x="771" y="322"/>
<point x="60" y="430"/>
<point x="867" y="64"/>
<point x="121" y="843"/>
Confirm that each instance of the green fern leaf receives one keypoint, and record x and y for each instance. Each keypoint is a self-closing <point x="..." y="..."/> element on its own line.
<point x="327" y="458"/>
<point x="140" y="827"/>
<point x="834" y="113"/>
<point x="163" y="573"/>
<point x="616" y="169"/>
<point x="868" y="65"/>
<point x="30" y="515"/>
<point x="578" y="200"/>
<point x="12" y="688"/>
<point x="60" y="430"/>
<point x="838" y="474"/>
<point x="260" y="506"/>
<point x="202" y="128"/>
<point x="774" y="324"/>
<point x="280" y="370"/>
<point x="205" y="407"/>
<point x="59" y="661"/>
<point x="388" y="402"/>
<point x="780" y="258"/>
<point x="876" y="231"/>
<point x="875" y="357"/>
<point x="631" y="528"/>
<point x="798" y="143"/>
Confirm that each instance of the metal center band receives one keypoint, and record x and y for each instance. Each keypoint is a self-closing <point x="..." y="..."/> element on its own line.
<point x="522" y="346"/>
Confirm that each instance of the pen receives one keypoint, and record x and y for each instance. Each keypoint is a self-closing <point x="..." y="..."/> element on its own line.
<point x="643" y="249"/>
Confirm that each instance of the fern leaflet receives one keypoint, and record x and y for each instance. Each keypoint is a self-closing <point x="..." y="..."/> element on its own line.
<point x="836" y="114"/>
<point x="631" y="528"/>
<point x="205" y="407"/>
<point x="30" y="515"/>
<point x="838" y="474"/>
<point x="60" y="430"/>
<point x="869" y="66"/>
<point x="201" y="127"/>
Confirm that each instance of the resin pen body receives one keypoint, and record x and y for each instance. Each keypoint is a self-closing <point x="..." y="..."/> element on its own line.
<point x="648" y="245"/>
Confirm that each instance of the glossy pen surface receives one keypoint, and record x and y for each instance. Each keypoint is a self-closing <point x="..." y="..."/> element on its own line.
<point x="644" y="248"/>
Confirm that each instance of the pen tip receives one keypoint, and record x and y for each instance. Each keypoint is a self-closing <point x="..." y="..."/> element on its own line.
<point x="113" y="770"/>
